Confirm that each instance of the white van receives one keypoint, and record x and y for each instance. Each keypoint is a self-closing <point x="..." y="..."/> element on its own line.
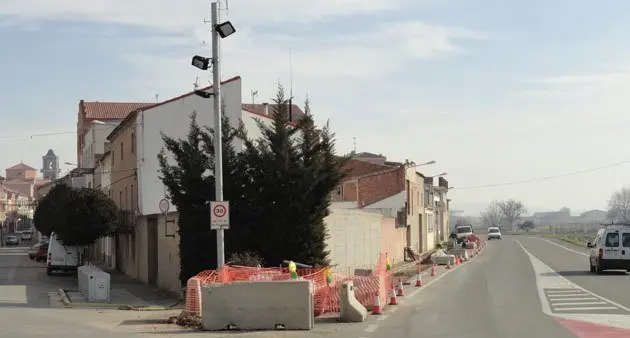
<point x="462" y="232"/>
<point x="62" y="258"/>
<point x="610" y="250"/>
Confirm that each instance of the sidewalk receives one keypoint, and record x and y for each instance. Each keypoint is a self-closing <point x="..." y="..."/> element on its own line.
<point x="125" y="294"/>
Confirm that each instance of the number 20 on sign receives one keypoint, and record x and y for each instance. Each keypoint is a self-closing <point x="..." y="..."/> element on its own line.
<point x="219" y="215"/>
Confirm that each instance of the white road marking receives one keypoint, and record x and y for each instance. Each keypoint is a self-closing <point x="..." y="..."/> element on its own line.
<point x="565" y="295"/>
<point x="579" y="303"/>
<point x="561" y="246"/>
<point x="371" y="328"/>
<point x="547" y="278"/>
<point x="585" y="308"/>
<point x="560" y="292"/>
<point x="576" y="298"/>
<point x="383" y="317"/>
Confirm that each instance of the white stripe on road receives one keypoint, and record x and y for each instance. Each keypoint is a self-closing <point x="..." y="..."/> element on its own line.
<point x="565" y="295"/>
<point x="577" y="298"/>
<point x="586" y="308"/>
<point x="560" y="291"/>
<point x="579" y="303"/>
<point x="561" y="246"/>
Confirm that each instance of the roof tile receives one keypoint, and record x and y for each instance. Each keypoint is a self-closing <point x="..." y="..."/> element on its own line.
<point x="111" y="110"/>
<point x="21" y="166"/>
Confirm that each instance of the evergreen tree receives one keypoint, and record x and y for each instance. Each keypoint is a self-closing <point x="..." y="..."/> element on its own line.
<point x="292" y="171"/>
<point x="184" y="173"/>
<point x="189" y="179"/>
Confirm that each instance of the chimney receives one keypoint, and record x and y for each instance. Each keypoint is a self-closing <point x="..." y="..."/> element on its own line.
<point x="266" y="105"/>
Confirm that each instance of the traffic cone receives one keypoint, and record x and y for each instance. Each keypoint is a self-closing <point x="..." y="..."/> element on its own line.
<point x="377" y="304"/>
<point x="401" y="289"/>
<point x="448" y="264"/>
<point x="433" y="269"/>
<point x="419" y="279"/>
<point x="392" y="297"/>
<point x="456" y="260"/>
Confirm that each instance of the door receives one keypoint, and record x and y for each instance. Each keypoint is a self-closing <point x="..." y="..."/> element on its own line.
<point x="612" y="247"/>
<point x="625" y="246"/>
<point x="421" y="232"/>
<point x="152" y="250"/>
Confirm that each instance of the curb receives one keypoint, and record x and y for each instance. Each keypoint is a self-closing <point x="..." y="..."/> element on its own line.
<point x="70" y="304"/>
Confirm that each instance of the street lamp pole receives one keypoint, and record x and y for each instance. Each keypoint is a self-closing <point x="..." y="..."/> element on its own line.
<point x="218" y="148"/>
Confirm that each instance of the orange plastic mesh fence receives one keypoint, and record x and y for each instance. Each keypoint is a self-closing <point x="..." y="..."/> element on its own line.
<point x="325" y="297"/>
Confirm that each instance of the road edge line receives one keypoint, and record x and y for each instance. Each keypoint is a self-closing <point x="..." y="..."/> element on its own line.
<point x="561" y="246"/>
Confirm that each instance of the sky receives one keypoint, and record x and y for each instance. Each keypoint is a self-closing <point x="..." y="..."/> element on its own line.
<point x="494" y="91"/>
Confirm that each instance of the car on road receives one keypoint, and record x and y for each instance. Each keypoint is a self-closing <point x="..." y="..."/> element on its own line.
<point x="12" y="240"/>
<point x="38" y="252"/>
<point x="494" y="232"/>
<point x="610" y="250"/>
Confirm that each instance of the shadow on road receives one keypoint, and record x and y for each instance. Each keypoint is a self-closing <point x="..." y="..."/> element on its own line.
<point x="584" y="273"/>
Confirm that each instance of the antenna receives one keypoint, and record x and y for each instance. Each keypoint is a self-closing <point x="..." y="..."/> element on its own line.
<point x="157" y="98"/>
<point x="354" y="145"/>
<point x="196" y="83"/>
<point x="254" y="94"/>
<point x="291" y="73"/>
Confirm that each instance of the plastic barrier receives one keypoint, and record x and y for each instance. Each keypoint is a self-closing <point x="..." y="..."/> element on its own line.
<point x="325" y="296"/>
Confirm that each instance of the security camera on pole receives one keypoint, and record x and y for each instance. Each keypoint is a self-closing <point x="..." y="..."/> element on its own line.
<point x="219" y="209"/>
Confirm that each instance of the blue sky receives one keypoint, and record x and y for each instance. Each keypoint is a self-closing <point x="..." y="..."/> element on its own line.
<point x="494" y="91"/>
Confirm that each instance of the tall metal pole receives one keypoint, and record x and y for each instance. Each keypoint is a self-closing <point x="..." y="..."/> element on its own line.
<point x="218" y="148"/>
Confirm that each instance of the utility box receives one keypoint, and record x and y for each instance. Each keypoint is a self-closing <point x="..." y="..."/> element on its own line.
<point x="94" y="283"/>
<point x="98" y="286"/>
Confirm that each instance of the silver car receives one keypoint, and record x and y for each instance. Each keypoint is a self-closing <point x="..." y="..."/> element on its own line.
<point x="12" y="240"/>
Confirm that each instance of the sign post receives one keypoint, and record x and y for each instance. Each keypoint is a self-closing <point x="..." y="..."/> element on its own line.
<point x="219" y="215"/>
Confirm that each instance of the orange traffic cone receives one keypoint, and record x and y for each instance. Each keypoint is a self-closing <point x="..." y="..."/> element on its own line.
<point x="377" y="304"/>
<point x="456" y="260"/>
<point x="401" y="289"/>
<point x="392" y="297"/>
<point x="433" y="269"/>
<point x="419" y="279"/>
<point x="448" y="264"/>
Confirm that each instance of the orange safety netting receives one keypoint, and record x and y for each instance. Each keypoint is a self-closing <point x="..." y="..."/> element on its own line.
<point x="325" y="296"/>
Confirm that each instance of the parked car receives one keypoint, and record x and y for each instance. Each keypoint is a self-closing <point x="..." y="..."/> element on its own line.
<point x="12" y="240"/>
<point x="38" y="252"/>
<point x="26" y="236"/>
<point x="462" y="232"/>
<point x="61" y="257"/>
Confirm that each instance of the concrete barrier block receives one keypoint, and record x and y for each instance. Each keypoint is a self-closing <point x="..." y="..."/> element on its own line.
<point x="352" y="311"/>
<point x="443" y="260"/>
<point x="260" y="305"/>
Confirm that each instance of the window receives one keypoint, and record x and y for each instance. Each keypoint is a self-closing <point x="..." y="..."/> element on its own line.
<point x="133" y="207"/>
<point x="625" y="240"/>
<point x="126" y="198"/>
<point x="133" y="143"/>
<point x="113" y="157"/>
<point x="612" y="240"/>
<point x="120" y="199"/>
<point x="122" y="157"/>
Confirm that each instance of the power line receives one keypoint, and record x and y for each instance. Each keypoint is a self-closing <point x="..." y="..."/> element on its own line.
<point x="544" y="178"/>
<point x="37" y="135"/>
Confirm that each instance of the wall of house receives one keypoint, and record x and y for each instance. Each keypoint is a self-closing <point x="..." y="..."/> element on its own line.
<point x="131" y="249"/>
<point x="354" y="239"/>
<point x="172" y="118"/>
<point x="393" y="239"/>
<point x="20" y="174"/>
<point x="377" y="186"/>
<point x="389" y="206"/>
<point x="349" y="191"/>
<point x="358" y="168"/>
<point x="168" y="254"/>
<point x="94" y="142"/>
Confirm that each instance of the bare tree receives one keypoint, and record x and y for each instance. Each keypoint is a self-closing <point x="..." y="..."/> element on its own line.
<point x="492" y="216"/>
<point x="619" y="205"/>
<point x="512" y="211"/>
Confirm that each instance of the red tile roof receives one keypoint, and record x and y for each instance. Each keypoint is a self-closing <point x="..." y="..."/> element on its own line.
<point x="111" y="110"/>
<point x="21" y="166"/>
<point x="260" y="109"/>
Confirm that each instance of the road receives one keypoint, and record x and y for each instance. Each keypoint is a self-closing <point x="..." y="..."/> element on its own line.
<point x="520" y="287"/>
